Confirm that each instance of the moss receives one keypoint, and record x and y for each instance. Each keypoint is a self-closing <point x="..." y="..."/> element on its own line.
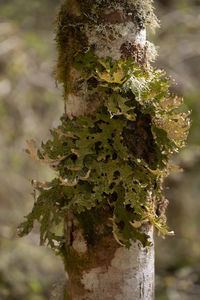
<point x="74" y="263"/>
<point x="100" y="251"/>
<point x="73" y="7"/>
<point x="77" y="16"/>
<point x="94" y="224"/>
<point x="70" y="40"/>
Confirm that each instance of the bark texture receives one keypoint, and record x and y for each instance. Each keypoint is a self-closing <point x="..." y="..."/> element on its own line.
<point x="129" y="275"/>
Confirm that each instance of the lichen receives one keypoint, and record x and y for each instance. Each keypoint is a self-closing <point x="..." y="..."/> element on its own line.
<point x="83" y="24"/>
<point x="116" y="158"/>
<point x="110" y="162"/>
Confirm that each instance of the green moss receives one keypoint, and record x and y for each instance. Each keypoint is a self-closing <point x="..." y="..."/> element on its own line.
<point x="70" y="39"/>
<point x="89" y="221"/>
<point x="74" y="263"/>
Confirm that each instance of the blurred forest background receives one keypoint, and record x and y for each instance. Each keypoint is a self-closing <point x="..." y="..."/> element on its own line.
<point x="30" y="104"/>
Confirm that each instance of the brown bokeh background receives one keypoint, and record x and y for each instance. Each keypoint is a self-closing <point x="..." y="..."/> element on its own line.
<point x="30" y="104"/>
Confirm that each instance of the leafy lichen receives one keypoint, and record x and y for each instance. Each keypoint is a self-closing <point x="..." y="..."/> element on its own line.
<point x="110" y="164"/>
<point x="115" y="158"/>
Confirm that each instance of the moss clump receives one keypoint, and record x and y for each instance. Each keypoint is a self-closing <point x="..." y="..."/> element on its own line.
<point x="70" y="40"/>
<point x="74" y="263"/>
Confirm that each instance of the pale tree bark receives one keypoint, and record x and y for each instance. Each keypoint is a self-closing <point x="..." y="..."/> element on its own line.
<point x="128" y="274"/>
<point x="115" y="271"/>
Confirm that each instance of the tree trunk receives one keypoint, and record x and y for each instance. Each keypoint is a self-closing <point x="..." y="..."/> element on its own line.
<point x="111" y="271"/>
<point x="111" y="151"/>
<point x="128" y="274"/>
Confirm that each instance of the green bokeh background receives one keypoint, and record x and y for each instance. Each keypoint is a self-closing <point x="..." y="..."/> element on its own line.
<point x="30" y="104"/>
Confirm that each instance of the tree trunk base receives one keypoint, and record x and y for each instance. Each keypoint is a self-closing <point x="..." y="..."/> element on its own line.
<point x="129" y="276"/>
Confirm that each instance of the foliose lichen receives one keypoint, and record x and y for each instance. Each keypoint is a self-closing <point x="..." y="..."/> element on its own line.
<point x="110" y="164"/>
<point x="115" y="158"/>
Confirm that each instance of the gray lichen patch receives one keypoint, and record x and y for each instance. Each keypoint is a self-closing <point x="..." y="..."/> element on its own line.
<point x="141" y="12"/>
<point x="104" y="26"/>
<point x="108" y="39"/>
<point x="145" y="13"/>
<point x="151" y="51"/>
<point x="128" y="276"/>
